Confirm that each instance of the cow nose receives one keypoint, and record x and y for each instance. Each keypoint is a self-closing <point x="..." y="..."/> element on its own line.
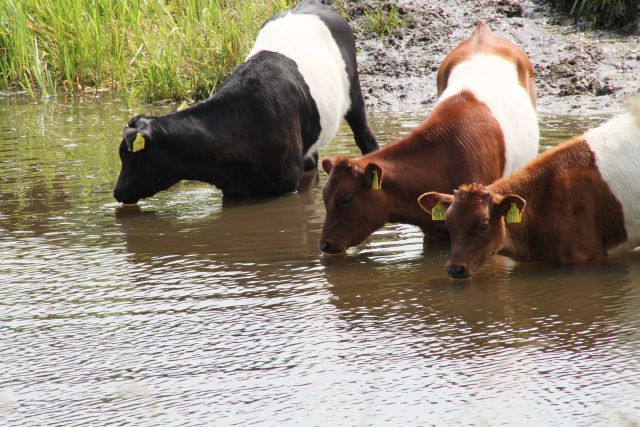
<point x="325" y="246"/>
<point x="457" y="271"/>
<point x="123" y="198"/>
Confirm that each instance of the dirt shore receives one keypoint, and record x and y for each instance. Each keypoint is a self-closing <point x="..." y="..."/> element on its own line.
<point x="577" y="71"/>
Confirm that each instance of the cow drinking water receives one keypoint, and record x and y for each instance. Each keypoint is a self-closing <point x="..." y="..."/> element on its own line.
<point x="261" y="130"/>
<point x="572" y="204"/>
<point x="484" y="125"/>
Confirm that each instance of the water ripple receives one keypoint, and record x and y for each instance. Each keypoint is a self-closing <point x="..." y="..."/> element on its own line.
<point x="191" y="311"/>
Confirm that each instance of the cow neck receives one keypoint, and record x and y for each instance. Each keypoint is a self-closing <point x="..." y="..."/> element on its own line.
<point x="194" y="139"/>
<point x="405" y="176"/>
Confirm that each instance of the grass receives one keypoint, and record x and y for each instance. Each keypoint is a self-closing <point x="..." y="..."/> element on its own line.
<point x="617" y="14"/>
<point x="382" y="20"/>
<point x="147" y="49"/>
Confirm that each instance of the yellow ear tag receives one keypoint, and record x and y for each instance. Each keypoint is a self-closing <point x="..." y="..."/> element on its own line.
<point x="375" y="184"/>
<point x="438" y="212"/>
<point x="183" y="106"/>
<point x="138" y="143"/>
<point x="514" y="214"/>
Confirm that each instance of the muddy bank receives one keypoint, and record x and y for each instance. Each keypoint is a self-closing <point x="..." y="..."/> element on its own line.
<point x="577" y="71"/>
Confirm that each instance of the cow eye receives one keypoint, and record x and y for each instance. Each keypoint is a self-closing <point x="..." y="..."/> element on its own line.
<point x="347" y="200"/>
<point x="483" y="227"/>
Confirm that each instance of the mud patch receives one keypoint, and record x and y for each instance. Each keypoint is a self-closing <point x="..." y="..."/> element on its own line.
<point x="577" y="71"/>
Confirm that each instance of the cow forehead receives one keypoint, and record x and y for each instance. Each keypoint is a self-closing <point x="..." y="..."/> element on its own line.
<point x="339" y="185"/>
<point x="345" y="167"/>
<point x="342" y="175"/>
<point x="471" y="200"/>
<point x="468" y="209"/>
<point x="137" y="123"/>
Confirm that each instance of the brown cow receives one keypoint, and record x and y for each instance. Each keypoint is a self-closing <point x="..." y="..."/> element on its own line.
<point x="483" y="126"/>
<point x="582" y="198"/>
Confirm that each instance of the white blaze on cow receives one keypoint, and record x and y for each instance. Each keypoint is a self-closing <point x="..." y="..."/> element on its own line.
<point x="496" y="81"/>
<point x="307" y="40"/>
<point x="616" y="146"/>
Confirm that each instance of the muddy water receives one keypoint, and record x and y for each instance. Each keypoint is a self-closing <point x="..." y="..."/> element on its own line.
<point x="185" y="312"/>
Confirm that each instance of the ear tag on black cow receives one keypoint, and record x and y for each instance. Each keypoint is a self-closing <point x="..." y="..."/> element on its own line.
<point x="183" y="106"/>
<point x="375" y="183"/>
<point x="138" y="143"/>
<point x="513" y="214"/>
<point x="438" y="212"/>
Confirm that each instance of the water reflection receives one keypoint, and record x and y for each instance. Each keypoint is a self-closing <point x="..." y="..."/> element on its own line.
<point x="512" y="306"/>
<point x="266" y="231"/>
<point x="191" y="310"/>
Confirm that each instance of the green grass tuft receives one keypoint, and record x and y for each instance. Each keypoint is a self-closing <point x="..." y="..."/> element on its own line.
<point x="382" y="20"/>
<point x="617" y="14"/>
<point x="147" y="49"/>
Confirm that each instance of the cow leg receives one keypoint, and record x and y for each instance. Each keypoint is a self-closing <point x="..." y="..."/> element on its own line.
<point x="311" y="162"/>
<point x="287" y="174"/>
<point x="357" y="119"/>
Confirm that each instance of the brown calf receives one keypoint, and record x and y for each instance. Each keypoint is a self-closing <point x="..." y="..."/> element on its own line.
<point x="483" y="126"/>
<point x="572" y="204"/>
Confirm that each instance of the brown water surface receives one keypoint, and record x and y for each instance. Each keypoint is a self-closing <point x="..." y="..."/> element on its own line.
<point x="185" y="312"/>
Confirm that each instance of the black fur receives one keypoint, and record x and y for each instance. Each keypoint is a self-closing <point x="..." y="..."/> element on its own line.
<point x="249" y="138"/>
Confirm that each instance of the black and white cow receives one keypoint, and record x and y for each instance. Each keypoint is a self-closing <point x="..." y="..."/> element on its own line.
<point x="262" y="129"/>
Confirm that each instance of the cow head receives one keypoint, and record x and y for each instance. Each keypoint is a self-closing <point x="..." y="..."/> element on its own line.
<point x="475" y="219"/>
<point x="355" y="203"/>
<point x="146" y="167"/>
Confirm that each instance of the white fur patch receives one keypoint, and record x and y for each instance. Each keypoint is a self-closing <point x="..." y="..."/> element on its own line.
<point x="307" y="40"/>
<point x="616" y="145"/>
<point x="493" y="80"/>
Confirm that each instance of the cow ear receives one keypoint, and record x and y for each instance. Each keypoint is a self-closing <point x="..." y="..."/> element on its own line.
<point x="435" y="204"/>
<point x="512" y="208"/>
<point x="135" y="139"/>
<point x="327" y="164"/>
<point x="373" y="176"/>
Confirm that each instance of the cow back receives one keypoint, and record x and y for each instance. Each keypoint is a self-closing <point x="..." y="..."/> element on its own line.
<point x="307" y="40"/>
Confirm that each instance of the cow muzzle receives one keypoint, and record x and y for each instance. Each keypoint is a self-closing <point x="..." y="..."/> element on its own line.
<point x="117" y="194"/>
<point x="331" y="248"/>
<point x="457" y="271"/>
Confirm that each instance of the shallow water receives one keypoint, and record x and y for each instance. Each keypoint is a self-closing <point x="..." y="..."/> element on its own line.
<point x="185" y="312"/>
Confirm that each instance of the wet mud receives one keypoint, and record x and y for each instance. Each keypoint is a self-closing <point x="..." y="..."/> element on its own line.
<point x="578" y="70"/>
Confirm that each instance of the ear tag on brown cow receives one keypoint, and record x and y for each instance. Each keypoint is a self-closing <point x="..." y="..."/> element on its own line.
<point x="138" y="143"/>
<point x="375" y="184"/>
<point x="438" y="212"/>
<point x="513" y="214"/>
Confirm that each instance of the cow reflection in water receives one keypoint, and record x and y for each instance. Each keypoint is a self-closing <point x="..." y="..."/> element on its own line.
<point x="567" y="308"/>
<point x="35" y="208"/>
<point x="256" y="231"/>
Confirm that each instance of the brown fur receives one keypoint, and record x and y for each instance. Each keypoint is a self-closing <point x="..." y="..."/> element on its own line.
<point x="570" y="206"/>
<point x="459" y="142"/>
<point x="483" y="40"/>
<point x="439" y="155"/>
<point x="571" y="215"/>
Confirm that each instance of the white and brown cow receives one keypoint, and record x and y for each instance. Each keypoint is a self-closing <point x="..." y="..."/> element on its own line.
<point x="572" y="204"/>
<point x="483" y="126"/>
